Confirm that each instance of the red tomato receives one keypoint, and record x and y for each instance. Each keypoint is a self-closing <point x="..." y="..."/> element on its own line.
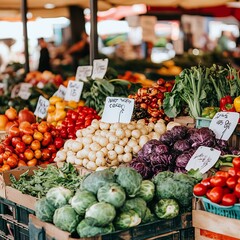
<point x="46" y="154"/>
<point x="12" y="161"/>
<point x="52" y="148"/>
<point x="222" y="174"/>
<point x="74" y="115"/>
<point x="226" y="190"/>
<point x="237" y="190"/>
<point x="47" y="139"/>
<point x="58" y="142"/>
<point x="206" y="182"/>
<point x="43" y="127"/>
<point x="38" y="135"/>
<point x="88" y="122"/>
<point x="14" y="131"/>
<point x="15" y="140"/>
<point x="20" y="147"/>
<point x="232" y="171"/>
<point x="231" y="182"/>
<point x="218" y="181"/>
<point x="28" y="154"/>
<point x="35" y="145"/>
<point x="236" y="162"/>
<point x="64" y="133"/>
<point x="27" y="139"/>
<point x="229" y="199"/>
<point x="199" y="189"/>
<point x="216" y="194"/>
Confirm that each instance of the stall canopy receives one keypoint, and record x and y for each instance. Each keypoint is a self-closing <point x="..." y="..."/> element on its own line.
<point x="44" y="8"/>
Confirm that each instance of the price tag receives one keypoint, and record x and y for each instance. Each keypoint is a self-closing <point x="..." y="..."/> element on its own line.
<point x="42" y="106"/>
<point x="24" y="91"/>
<point x="83" y="72"/>
<point x="223" y="124"/>
<point x="203" y="159"/>
<point x="118" y="110"/>
<point x="99" y="68"/>
<point x="147" y="23"/>
<point x="15" y="90"/>
<point x="74" y="91"/>
<point x="61" y="92"/>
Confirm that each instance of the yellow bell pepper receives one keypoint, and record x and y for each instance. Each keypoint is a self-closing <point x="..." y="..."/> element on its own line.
<point x="51" y="108"/>
<point x="236" y="104"/>
<point x="72" y="104"/>
<point x="60" y="114"/>
<point x="60" y="105"/>
<point x="54" y="99"/>
<point x="51" y="117"/>
<point x="81" y="103"/>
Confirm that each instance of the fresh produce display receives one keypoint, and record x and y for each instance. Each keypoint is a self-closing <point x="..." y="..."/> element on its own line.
<point x="173" y="150"/>
<point x="103" y="145"/>
<point x="169" y="69"/>
<point x="225" y="161"/>
<point x="193" y="89"/>
<point x="236" y="103"/>
<point x="95" y="208"/>
<point x="226" y="104"/>
<point x="149" y="101"/>
<point x="30" y="145"/>
<point x="77" y="119"/>
<point x="223" y="188"/>
<point x="43" y="179"/>
<point x="95" y="91"/>
<point x="209" y="112"/>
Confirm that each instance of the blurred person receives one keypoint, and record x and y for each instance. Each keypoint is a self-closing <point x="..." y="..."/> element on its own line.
<point x="79" y="50"/>
<point x="44" y="58"/>
<point x="223" y="42"/>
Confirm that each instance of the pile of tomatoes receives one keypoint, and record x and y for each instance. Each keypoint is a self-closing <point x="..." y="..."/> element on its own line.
<point x="223" y="188"/>
<point x="77" y="119"/>
<point x="30" y="145"/>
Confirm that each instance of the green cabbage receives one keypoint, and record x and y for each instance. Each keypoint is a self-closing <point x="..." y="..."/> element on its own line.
<point x="149" y="216"/>
<point x="86" y="228"/>
<point x="44" y="210"/>
<point x="147" y="190"/>
<point x="93" y="181"/>
<point x="102" y="212"/>
<point x="112" y="193"/>
<point x="58" y="196"/>
<point x="129" y="179"/>
<point x="81" y="201"/>
<point x="136" y="204"/>
<point x="166" y="209"/>
<point x="127" y="219"/>
<point x="66" y="218"/>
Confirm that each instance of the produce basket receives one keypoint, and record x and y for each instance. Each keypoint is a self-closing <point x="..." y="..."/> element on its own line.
<point x="230" y="212"/>
<point x="202" y="122"/>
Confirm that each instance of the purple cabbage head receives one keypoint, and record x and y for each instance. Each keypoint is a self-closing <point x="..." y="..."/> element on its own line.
<point x="183" y="159"/>
<point x="180" y="170"/>
<point x="148" y="148"/>
<point x="141" y="168"/>
<point x="179" y="132"/>
<point x="181" y="145"/>
<point x="161" y="159"/>
<point x="167" y="138"/>
<point x="202" y="137"/>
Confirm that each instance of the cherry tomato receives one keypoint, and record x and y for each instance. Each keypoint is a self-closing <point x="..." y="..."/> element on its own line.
<point x="88" y="122"/>
<point x="237" y="190"/>
<point x="38" y="135"/>
<point x="199" y="189"/>
<point x="64" y="133"/>
<point x="7" y="141"/>
<point x="29" y="154"/>
<point x="229" y="199"/>
<point x="15" y="140"/>
<point x="222" y="174"/>
<point x="27" y="130"/>
<point x="74" y="115"/>
<point x="43" y="127"/>
<point x="14" y="131"/>
<point x="46" y="154"/>
<point x="12" y="161"/>
<point x="232" y="171"/>
<point x="27" y="139"/>
<point x="47" y="139"/>
<point x="236" y="163"/>
<point x="20" y="147"/>
<point x="216" y="194"/>
<point x="218" y="181"/>
<point x="35" y="145"/>
<point x="52" y="148"/>
<point x="38" y="154"/>
<point x="232" y="182"/>
<point x="32" y="162"/>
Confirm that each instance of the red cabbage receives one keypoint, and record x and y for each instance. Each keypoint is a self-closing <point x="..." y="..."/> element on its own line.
<point x="141" y="168"/>
<point x="161" y="159"/>
<point x="167" y="138"/>
<point x="202" y="137"/>
<point x="183" y="159"/>
<point x="179" y="132"/>
<point x="180" y="170"/>
<point x="181" y="145"/>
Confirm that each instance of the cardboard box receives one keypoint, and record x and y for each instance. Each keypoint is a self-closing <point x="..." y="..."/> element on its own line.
<point x="185" y="121"/>
<point x="211" y="226"/>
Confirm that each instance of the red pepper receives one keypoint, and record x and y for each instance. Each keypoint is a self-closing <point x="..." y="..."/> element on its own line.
<point x="226" y="104"/>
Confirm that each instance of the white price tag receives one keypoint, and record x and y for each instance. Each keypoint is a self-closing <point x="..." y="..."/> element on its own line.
<point x="118" y="110"/>
<point x="83" y="72"/>
<point x="42" y="107"/>
<point x="148" y="31"/>
<point x="223" y="124"/>
<point x="74" y="91"/>
<point x="203" y="159"/>
<point x="61" y="92"/>
<point x="24" y="91"/>
<point x="99" y="68"/>
<point x="15" y="90"/>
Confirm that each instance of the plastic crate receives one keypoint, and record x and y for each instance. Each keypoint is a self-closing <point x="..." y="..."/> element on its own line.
<point x="230" y="212"/>
<point x="22" y="214"/>
<point x="7" y="207"/>
<point x="202" y="122"/>
<point x="187" y="234"/>
<point x="21" y="233"/>
<point x="7" y="229"/>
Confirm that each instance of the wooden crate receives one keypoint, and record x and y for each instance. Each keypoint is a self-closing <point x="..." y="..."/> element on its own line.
<point x="185" y="121"/>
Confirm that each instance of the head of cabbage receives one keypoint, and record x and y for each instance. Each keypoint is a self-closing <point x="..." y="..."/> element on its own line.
<point x="147" y="190"/>
<point x="66" y="218"/>
<point x="58" y="196"/>
<point x="44" y="210"/>
<point x="81" y="201"/>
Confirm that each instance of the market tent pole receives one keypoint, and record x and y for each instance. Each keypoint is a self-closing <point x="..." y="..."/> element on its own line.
<point x="93" y="32"/>
<point x="25" y="34"/>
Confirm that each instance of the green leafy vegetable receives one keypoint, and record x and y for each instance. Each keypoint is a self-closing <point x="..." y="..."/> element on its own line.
<point x="44" y="210"/>
<point x="166" y="209"/>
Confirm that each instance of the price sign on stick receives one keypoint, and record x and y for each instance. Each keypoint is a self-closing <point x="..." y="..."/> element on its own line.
<point x="223" y="124"/>
<point x="42" y="107"/>
<point x="74" y="91"/>
<point x="61" y="92"/>
<point x="203" y="159"/>
<point x="99" y="68"/>
<point x="24" y="91"/>
<point x="118" y="110"/>
<point x="83" y="72"/>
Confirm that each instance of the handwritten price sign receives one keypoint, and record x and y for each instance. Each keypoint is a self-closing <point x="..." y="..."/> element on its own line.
<point x="83" y="72"/>
<point x="118" y="110"/>
<point x="223" y="124"/>
<point x="61" y="92"/>
<point x="24" y="91"/>
<point x="74" y="91"/>
<point x="203" y="159"/>
<point x="99" y="68"/>
<point x="42" y="107"/>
